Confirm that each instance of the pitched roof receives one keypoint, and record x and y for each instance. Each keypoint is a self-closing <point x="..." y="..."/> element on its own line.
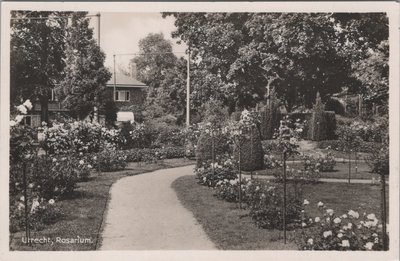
<point x="125" y="81"/>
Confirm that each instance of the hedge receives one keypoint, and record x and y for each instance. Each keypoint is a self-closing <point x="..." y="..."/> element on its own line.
<point x="137" y="155"/>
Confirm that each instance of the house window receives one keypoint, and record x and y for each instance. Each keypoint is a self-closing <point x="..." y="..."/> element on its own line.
<point x="32" y="120"/>
<point x="122" y="96"/>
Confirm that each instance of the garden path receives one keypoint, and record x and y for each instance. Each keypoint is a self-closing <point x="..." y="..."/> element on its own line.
<point x="144" y="213"/>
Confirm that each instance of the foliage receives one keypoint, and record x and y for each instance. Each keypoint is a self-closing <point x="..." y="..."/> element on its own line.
<point x="242" y="53"/>
<point x="110" y="160"/>
<point x="164" y="73"/>
<point x="378" y="160"/>
<point x="84" y="76"/>
<point x="325" y="163"/>
<point x="204" y="146"/>
<point x="49" y="177"/>
<point x="270" y="146"/>
<point x="210" y="175"/>
<point x="41" y="214"/>
<point x="191" y="134"/>
<point x="345" y="232"/>
<point x="322" y="124"/>
<point x="79" y="136"/>
<point x="270" y="162"/>
<point x="37" y="56"/>
<point x="110" y="112"/>
<point x="263" y="200"/>
<point x="269" y="118"/>
<point x="349" y="139"/>
<point x="138" y="155"/>
<point x="252" y="153"/>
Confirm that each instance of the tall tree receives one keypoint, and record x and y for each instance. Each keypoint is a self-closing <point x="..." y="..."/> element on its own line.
<point x="164" y="73"/>
<point x="85" y="76"/>
<point x="364" y="42"/>
<point x="37" y="55"/>
<point x="250" y="53"/>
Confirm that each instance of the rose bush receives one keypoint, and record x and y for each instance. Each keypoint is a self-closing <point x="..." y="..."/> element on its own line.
<point x="349" y="231"/>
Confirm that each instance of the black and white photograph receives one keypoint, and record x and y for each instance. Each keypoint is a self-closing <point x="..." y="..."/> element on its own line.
<point x="187" y="127"/>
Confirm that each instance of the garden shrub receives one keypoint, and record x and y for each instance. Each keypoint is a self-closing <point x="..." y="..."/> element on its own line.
<point x="110" y="161"/>
<point x="349" y="231"/>
<point x="41" y="213"/>
<point x="325" y="163"/>
<point x="250" y="161"/>
<point x="264" y="201"/>
<point x="270" y="146"/>
<point x="225" y="170"/>
<point x="137" y="155"/>
<point x="49" y="177"/>
<point x="271" y="162"/>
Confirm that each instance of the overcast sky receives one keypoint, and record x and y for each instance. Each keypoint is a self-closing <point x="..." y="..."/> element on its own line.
<point x="121" y="32"/>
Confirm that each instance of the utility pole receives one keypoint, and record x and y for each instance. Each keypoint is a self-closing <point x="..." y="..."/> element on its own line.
<point x="188" y="91"/>
<point x="98" y="28"/>
<point x="115" y="78"/>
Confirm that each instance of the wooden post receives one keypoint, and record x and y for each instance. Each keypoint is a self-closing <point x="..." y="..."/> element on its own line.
<point x="240" y="176"/>
<point x="27" y="232"/>
<point x="349" y="167"/>
<point x="284" y="198"/>
<point x="251" y="150"/>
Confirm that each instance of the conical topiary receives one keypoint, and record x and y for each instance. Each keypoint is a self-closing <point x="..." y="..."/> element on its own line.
<point x="252" y="158"/>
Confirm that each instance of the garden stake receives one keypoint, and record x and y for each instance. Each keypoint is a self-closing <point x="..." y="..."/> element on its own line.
<point x="25" y="202"/>
<point x="349" y="166"/>
<point x="212" y="151"/>
<point x="240" y="178"/>
<point x="383" y="212"/>
<point x="251" y="150"/>
<point x="284" y="197"/>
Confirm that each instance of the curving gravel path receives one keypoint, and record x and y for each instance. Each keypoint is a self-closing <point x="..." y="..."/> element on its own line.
<point x="144" y="213"/>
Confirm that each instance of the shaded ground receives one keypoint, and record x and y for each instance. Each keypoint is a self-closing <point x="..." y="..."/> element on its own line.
<point x="144" y="213"/>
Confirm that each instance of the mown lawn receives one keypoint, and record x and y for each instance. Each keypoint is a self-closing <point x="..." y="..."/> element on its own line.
<point x="232" y="229"/>
<point x="84" y="210"/>
<point x="340" y="171"/>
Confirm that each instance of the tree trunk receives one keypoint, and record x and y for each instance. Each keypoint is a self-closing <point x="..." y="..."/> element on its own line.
<point x="44" y="113"/>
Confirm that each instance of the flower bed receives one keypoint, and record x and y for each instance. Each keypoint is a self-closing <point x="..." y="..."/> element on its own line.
<point x="349" y="231"/>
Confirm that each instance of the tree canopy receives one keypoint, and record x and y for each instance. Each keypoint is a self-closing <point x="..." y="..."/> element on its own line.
<point x="245" y="55"/>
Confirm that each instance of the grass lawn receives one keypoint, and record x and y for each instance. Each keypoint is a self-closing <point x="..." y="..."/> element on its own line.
<point x="84" y="209"/>
<point x="340" y="171"/>
<point x="232" y="229"/>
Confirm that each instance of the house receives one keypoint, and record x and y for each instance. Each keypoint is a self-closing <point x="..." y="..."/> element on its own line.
<point x="129" y="95"/>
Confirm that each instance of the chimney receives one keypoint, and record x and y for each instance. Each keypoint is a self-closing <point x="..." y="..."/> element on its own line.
<point x="133" y="70"/>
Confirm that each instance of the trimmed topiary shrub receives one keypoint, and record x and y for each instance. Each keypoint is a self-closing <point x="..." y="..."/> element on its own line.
<point x="270" y="118"/>
<point x="251" y="161"/>
<point x="322" y="124"/>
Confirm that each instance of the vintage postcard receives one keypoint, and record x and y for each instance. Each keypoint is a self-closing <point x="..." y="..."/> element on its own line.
<point x="223" y="130"/>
